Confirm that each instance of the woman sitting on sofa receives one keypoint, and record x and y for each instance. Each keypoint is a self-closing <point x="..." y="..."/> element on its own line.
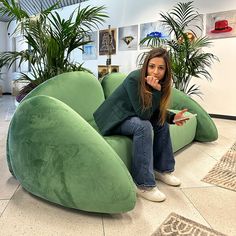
<point x="138" y="108"/>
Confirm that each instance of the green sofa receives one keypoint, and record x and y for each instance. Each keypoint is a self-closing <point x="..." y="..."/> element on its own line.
<point x="55" y="150"/>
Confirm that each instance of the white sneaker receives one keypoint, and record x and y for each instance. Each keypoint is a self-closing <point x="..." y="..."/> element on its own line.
<point x="151" y="194"/>
<point x="167" y="178"/>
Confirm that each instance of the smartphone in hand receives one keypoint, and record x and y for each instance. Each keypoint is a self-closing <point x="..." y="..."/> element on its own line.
<point x="184" y="118"/>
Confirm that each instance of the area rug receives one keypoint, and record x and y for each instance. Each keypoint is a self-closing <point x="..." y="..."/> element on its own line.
<point x="223" y="173"/>
<point x="178" y="225"/>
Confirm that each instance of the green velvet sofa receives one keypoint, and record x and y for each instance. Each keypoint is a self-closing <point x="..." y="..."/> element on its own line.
<point x="55" y="150"/>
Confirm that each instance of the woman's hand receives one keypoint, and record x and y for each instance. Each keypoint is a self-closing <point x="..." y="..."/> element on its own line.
<point x="154" y="82"/>
<point x="180" y="115"/>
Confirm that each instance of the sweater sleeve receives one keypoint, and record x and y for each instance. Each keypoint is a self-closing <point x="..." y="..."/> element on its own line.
<point x="132" y="88"/>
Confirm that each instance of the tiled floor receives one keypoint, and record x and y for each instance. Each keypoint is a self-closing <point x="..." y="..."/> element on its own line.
<point x="24" y="214"/>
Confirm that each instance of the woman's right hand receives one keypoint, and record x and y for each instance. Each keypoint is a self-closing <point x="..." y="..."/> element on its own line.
<point x="154" y="82"/>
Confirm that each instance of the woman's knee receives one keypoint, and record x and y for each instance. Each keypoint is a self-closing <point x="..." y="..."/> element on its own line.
<point x="143" y="125"/>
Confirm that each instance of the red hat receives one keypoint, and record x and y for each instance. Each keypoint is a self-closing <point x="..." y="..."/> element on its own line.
<point x="221" y="26"/>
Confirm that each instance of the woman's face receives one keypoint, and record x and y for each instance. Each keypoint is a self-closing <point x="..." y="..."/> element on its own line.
<point x="156" y="68"/>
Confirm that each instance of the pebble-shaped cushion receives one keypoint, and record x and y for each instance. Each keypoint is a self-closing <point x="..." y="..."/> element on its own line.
<point x="56" y="155"/>
<point x="111" y="81"/>
<point x="80" y="90"/>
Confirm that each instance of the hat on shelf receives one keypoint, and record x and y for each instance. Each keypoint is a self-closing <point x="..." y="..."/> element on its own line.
<point x="221" y="26"/>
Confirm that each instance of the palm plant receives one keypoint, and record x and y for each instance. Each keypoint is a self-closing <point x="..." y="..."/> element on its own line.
<point x="188" y="60"/>
<point x="51" y="39"/>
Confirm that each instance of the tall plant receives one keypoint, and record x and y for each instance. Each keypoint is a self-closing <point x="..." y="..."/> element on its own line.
<point x="51" y="39"/>
<point x="188" y="59"/>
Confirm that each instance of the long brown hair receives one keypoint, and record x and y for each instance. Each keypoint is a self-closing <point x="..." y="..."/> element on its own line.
<point x="145" y="89"/>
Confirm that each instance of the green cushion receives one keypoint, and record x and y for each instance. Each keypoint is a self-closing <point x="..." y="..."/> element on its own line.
<point x="206" y="130"/>
<point x="122" y="145"/>
<point x="55" y="154"/>
<point x="80" y="90"/>
<point x="111" y="81"/>
<point x="183" y="135"/>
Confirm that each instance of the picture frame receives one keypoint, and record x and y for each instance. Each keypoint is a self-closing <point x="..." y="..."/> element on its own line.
<point x="128" y="38"/>
<point x="90" y="49"/>
<point x="221" y="24"/>
<point x="152" y="27"/>
<point x="105" y="40"/>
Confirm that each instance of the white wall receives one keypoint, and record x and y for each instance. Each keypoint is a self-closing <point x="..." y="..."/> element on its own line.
<point x="3" y="38"/>
<point x="219" y="95"/>
<point x="3" y="45"/>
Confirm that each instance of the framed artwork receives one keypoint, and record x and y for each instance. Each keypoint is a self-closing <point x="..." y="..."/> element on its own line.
<point x="105" y="40"/>
<point x="152" y="28"/>
<point x="128" y="38"/>
<point x="103" y="70"/>
<point x="221" y="24"/>
<point x="90" y="49"/>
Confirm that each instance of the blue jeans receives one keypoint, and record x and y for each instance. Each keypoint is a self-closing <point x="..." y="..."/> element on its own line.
<point x="149" y="153"/>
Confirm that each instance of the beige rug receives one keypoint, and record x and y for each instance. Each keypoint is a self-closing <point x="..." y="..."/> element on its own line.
<point x="178" y="225"/>
<point x="223" y="173"/>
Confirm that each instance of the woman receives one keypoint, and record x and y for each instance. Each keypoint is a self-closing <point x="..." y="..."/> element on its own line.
<point x="138" y="108"/>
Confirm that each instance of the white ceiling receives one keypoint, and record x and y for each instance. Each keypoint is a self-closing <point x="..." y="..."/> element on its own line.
<point x="34" y="6"/>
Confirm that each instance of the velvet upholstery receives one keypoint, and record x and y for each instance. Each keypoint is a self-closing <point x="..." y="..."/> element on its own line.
<point x="55" y="150"/>
<point x="183" y="135"/>
<point x="82" y="92"/>
<point x="111" y="81"/>
<point x="58" y="156"/>
<point x="206" y="130"/>
<point x="51" y="139"/>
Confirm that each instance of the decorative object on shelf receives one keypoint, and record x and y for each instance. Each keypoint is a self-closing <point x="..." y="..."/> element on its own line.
<point x="221" y="24"/>
<point x="106" y="39"/>
<point x="128" y="38"/>
<point x="52" y="40"/>
<point x="188" y="60"/>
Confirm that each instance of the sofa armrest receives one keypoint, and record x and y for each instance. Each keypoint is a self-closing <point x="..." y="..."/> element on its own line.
<point x="206" y="130"/>
<point x="56" y="155"/>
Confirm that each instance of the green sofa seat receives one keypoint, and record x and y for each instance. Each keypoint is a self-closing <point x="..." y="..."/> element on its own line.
<point x="55" y="150"/>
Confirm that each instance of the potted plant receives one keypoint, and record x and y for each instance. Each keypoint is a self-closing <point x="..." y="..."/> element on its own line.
<point x="51" y="40"/>
<point x="188" y="59"/>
